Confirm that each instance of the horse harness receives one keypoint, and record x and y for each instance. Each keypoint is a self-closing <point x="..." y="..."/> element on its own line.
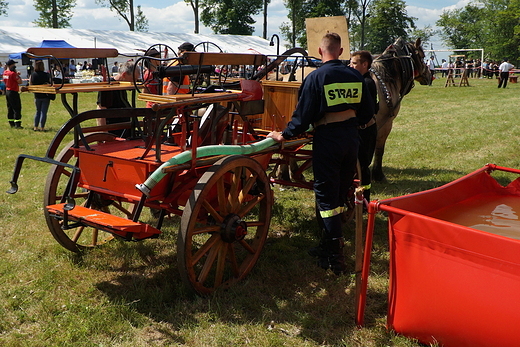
<point x="403" y="55"/>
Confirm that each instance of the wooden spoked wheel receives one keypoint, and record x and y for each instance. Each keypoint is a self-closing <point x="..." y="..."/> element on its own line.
<point x="78" y="238"/>
<point x="224" y="224"/>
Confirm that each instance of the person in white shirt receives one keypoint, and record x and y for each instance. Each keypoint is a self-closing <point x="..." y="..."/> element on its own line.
<point x="504" y="69"/>
<point x="444" y="67"/>
<point x="431" y="65"/>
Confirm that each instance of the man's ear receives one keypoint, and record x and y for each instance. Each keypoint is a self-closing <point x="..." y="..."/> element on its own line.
<point x="320" y="52"/>
<point x="341" y="51"/>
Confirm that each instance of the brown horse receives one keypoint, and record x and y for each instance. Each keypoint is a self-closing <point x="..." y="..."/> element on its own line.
<point x="394" y="72"/>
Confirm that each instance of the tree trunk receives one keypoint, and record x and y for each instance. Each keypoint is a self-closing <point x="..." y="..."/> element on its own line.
<point x="265" y="19"/>
<point x="196" y="16"/>
<point x="54" y="14"/>
<point x="132" y="16"/>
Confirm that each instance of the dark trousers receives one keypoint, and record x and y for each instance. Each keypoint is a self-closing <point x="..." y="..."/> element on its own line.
<point x="367" y="146"/>
<point x="334" y="158"/>
<point x="14" y="108"/>
<point x="503" y="79"/>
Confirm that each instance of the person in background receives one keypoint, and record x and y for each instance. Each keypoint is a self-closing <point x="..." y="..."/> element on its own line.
<point x="335" y="100"/>
<point x="115" y="68"/>
<point x="444" y="67"/>
<point x="178" y="87"/>
<point x="431" y="65"/>
<point x="79" y="67"/>
<point x="117" y="98"/>
<point x="151" y="83"/>
<point x="72" y="69"/>
<point x="41" y="100"/>
<point x="504" y="69"/>
<point x="2" y="84"/>
<point x="30" y="69"/>
<point x="58" y="74"/>
<point x="12" y="82"/>
<point x="362" y="62"/>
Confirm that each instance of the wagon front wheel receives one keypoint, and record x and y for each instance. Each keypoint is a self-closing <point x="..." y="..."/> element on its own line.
<point x="224" y="224"/>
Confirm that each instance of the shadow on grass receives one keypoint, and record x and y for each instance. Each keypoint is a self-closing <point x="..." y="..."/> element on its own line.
<point x="285" y="291"/>
<point x="411" y="180"/>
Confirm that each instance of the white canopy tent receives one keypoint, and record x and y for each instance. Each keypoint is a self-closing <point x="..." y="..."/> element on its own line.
<point x="18" y="39"/>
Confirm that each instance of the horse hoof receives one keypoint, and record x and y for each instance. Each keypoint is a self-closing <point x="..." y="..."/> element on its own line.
<point x="379" y="177"/>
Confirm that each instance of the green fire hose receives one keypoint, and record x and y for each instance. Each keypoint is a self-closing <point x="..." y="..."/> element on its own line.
<point x="204" y="151"/>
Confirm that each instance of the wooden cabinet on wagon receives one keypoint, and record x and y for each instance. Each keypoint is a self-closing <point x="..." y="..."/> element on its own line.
<point x="280" y="101"/>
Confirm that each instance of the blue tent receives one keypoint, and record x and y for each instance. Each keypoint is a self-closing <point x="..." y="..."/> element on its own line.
<point x="45" y="44"/>
<point x="15" y="56"/>
<point x="55" y="44"/>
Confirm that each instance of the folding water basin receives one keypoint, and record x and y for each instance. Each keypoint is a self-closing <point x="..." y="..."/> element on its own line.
<point x="454" y="262"/>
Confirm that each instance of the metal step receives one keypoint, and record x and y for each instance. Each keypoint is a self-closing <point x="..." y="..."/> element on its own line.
<point x="123" y="227"/>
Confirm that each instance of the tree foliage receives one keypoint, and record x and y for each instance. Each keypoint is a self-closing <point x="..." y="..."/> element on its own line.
<point x="136" y="20"/>
<point x="294" y="31"/>
<point x="493" y="25"/>
<point x="4" y="5"/>
<point x="388" y="20"/>
<point x="373" y="24"/>
<point x="230" y="16"/>
<point x="54" y="13"/>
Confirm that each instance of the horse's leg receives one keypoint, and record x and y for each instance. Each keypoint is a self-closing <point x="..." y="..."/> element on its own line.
<point x="377" y="164"/>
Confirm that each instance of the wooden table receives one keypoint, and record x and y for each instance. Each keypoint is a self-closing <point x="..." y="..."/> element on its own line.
<point x="75" y="89"/>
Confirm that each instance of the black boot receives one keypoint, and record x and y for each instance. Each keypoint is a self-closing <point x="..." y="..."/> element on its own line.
<point x="330" y="255"/>
<point x="337" y="258"/>
<point x="322" y="253"/>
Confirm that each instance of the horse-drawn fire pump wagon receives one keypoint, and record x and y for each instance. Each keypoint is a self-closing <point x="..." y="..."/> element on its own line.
<point x="202" y="156"/>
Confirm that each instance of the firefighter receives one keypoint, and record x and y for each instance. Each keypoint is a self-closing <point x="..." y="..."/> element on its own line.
<point x="151" y="83"/>
<point x="12" y="82"/>
<point x="335" y="100"/>
<point x="173" y="87"/>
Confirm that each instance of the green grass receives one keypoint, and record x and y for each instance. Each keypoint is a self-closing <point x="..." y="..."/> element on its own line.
<point x="130" y="294"/>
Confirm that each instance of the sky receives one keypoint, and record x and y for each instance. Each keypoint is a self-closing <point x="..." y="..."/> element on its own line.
<point x="177" y="17"/>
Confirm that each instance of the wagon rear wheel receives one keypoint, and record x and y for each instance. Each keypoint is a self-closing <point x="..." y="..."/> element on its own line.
<point x="79" y="238"/>
<point x="224" y="224"/>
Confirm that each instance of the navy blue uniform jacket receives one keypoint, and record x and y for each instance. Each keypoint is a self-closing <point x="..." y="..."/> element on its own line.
<point x="334" y="87"/>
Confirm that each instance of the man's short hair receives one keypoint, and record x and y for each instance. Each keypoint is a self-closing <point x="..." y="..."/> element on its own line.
<point x="364" y="57"/>
<point x="331" y="41"/>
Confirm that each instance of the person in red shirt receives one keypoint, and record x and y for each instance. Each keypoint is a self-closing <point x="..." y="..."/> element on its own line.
<point x="12" y="82"/>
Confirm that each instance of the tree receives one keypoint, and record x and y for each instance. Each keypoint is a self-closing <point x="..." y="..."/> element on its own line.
<point x="4" y="5"/>
<point x="230" y="16"/>
<point x="462" y="28"/>
<point x="359" y="10"/>
<point x="125" y="9"/>
<point x="388" y="20"/>
<point x="493" y="25"/>
<point x="295" y="31"/>
<point x="264" y="34"/>
<point x="195" y="7"/>
<point x="54" y="13"/>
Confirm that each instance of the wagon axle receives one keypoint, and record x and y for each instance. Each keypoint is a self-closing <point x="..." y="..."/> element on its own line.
<point x="233" y="228"/>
